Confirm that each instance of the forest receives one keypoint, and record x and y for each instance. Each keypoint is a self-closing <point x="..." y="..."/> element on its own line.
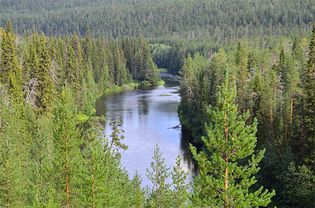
<point x="217" y="20"/>
<point x="246" y="72"/>
<point x="274" y="87"/>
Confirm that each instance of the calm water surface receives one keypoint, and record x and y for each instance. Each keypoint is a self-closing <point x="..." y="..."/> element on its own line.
<point x="149" y="118"/>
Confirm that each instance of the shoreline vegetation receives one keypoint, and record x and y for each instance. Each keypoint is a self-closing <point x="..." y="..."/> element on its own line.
<point x="246" y="81"/>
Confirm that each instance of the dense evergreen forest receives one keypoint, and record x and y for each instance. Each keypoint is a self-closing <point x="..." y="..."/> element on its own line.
<point x="52" y="152"/>
<point x="275" y="87"/>
<point x="165" y="19"/>
<point x="247" y="84"/>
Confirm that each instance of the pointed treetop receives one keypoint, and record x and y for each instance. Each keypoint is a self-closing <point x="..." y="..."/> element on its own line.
<point x="9" y="27"/>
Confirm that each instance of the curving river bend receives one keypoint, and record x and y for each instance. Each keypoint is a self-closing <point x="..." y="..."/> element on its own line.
<point x="149" y="118"/>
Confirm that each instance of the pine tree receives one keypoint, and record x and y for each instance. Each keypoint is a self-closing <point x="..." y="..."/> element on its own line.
<point x="225" y="178"/>
<point x="14" y="154"/>
<point x="158" y="174"/>
<point x="138" y="195"/>
<point x="95" y="160"/>
<point x="67" y="154"/>
<point x="180" y="186"/>
<point x="309" y="104"/>
<point x="41" y="157"/>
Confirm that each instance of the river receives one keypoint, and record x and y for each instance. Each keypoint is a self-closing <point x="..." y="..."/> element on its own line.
<point x="149" y="118"/>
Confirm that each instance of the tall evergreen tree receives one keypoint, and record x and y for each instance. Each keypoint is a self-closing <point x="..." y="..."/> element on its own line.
<point x="158" y="174"/>
<point x="67" y="160"/>
<point x="225" y="177"/>
<point x="309" y="104"/>
<point x="180" y="186"/>
<point x="241" y="61"/>
<point x="11" y="71"/>
<point x="14" y="154"/>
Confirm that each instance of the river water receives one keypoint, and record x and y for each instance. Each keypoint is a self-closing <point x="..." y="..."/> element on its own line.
<point x="149" y="118"/>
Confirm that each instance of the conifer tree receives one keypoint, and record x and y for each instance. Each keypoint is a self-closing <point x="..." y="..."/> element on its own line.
<point x="41" y="159"/>
<point x="299" y="186"/>
<point x="309" y="104"/>
<point x="180" y="186"/>
<point x="158" y="174"/>
<point x="228" y="163"/>
<point x="46" y="88"/>
<point x="14" y="154"/>
<point x="67" y="160"/>
<point x="95" y="160"/>
<point x="138" y="195"/>
<point x="10" y="69"/>
<point x="241" y="60"/>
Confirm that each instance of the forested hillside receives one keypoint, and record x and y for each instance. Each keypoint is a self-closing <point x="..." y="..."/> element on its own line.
<point x="52" y="150"/>
<point x="215" y="19"/>
<point x="246" y="71"/>
<point x="274" y="85"/>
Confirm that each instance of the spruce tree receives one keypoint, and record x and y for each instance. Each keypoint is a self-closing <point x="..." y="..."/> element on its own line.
<point x="309" y="104"/>
<point x="10" y="69"/>
<point x="45" y="88"/>
<point x="241" y="60"/>
<point x="228" y="164"/>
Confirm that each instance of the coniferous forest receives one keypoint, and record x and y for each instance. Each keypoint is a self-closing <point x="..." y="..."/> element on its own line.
<point x="246" y="76"/>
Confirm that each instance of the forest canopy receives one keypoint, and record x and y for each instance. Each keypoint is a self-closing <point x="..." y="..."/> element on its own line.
<point x="220" y="20"/>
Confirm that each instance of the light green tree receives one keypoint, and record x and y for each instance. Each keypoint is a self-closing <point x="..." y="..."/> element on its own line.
<point x="158" y="173"/>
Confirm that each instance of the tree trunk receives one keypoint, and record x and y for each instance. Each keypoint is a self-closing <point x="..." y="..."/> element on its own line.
<point x="226" y="159"/>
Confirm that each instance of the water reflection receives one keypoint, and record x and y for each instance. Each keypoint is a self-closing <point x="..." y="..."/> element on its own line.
<point x="149" y="118"/>
<point x="143" y="105"/>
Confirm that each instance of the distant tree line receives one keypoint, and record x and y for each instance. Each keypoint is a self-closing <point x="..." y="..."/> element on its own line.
<point x="220" y="20"/>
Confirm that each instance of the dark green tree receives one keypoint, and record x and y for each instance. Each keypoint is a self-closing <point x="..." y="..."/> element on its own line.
<point x="11" y="71"/>
<point x="299" y="186"/>
<point x="309" y="104"/>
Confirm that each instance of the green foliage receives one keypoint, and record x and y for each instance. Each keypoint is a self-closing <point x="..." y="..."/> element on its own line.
<point x="271" y="85"/>
<point x="180" y="187"/>
<point x="67" y="156"/>
<point x="309" y="103"/>
<point x="225" y="178"/>
<point x="11" y="71"/>
<point x="299" y="186"/>
<point x="167" y="19"/>
<point x="14" y="154"/>
<point x="158" y="174"/>
<point x="163" y="193"/>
